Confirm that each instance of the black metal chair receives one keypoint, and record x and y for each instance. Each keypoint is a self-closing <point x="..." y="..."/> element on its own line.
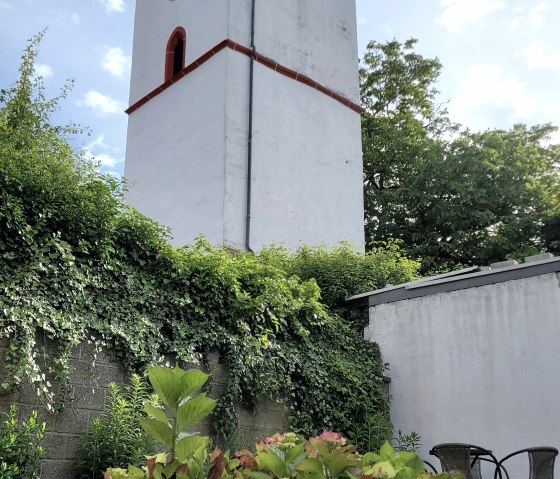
<point x="465" y="458"/>
<point x="541" y="462"/>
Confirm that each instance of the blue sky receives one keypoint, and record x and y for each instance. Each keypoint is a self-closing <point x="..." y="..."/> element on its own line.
<point x="501" y="58"/>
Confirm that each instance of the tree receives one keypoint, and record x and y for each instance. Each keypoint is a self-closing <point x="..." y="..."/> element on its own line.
<point x="472" y="199"/>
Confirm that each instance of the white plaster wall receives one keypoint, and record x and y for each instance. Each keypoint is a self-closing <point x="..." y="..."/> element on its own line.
<point x="478" y="365"/>
<point x="307" y="163"/>
<point x="176" y="155"/>
<point x="307" y="167"/>
<point x="315" y="37"/>
<point x="206" y="24"/>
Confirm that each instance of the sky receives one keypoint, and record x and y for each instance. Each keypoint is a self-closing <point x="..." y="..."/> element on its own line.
<point x="501" y="59"/>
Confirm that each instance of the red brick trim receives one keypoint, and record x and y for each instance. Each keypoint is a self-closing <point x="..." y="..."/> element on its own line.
<point x="267" y="62"/>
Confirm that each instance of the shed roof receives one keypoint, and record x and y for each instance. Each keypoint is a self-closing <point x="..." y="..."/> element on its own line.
<point x="461" y="279"/>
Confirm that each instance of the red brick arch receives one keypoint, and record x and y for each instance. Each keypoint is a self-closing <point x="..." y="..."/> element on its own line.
<point x="175" y="53"/>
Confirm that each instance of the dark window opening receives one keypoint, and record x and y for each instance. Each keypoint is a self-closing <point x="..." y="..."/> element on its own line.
<point x="178" y="56"/>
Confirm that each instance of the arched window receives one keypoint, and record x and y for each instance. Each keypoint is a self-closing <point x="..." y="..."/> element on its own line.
<point x="175" y="53"/>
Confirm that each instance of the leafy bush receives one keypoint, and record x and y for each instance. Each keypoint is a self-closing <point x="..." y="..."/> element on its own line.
<point x="21" y="451"/>
<point x="373" y="432"/>
<point x="116" y="438"/>
<point x="327" y="456"/>
<point x="344" y="271"/>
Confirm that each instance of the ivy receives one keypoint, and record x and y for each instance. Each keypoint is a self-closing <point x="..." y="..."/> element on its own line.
<point x="77" y="264"/>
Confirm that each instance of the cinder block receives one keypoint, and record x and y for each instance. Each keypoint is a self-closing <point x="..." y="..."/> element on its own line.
<point x="88" y="354"/>
<point x="53" y="469"/>
<point x="61" y="446"/>
<point x="87" y="397"/>
<point x="85" y="374"/>
<point x="70" y="420"/>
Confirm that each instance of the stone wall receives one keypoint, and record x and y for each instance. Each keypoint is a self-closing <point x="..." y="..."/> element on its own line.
<point x="90" y="391"/>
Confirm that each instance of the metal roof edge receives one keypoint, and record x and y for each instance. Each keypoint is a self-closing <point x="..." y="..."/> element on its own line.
<point x="462" y="279"/>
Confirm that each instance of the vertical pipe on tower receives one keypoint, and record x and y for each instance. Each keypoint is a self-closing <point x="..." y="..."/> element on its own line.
<point x="250" y="131"/>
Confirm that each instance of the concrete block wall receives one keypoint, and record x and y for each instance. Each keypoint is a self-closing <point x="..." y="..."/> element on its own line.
<point x="89" y="383"/>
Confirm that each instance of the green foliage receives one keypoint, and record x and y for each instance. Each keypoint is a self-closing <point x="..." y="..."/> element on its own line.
<point x="407" y="442"/>
<point x="396" y="464"/>
<point x="21" y="451"/>
<point x="454" y="198"/>
<point x="179" y="391"/>
<point x="343" y="271"/>
<point x="373" y="432"/>
<point x="327" y="456"/>
<point x="186" y="455"/>
<point x="116" y="438"/>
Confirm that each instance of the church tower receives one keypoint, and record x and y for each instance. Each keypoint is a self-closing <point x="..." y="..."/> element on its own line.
<point x="244" y="121"/>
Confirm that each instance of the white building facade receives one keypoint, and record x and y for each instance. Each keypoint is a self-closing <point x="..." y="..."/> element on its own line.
<point x="244" y="122"/>
<point x="473" y="357"/>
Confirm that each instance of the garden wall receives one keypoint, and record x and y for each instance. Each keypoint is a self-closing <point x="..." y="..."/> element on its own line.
<point x="89" y="388"/>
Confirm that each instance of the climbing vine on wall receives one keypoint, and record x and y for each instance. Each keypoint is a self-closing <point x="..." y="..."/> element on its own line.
<point x="77" y="265"/>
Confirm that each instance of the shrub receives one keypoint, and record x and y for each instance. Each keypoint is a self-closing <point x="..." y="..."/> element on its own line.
<point x="344" y="271"/>
<point x="21" y="451"/>
<point x="116" y="438"/>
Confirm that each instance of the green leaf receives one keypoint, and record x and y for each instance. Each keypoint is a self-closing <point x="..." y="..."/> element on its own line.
<point x="268" y="461"/>
<point x="387" y="451"/>
<point x="194" y="410"/>
<point x="159" y="431"/>
<point x="192" y="380"/>
<point x="156" y="413"/>
<point x="312" y="467"/>
<point x="383" y="469"/>
<point x="170" y="468"/>
<point x="256" y="474"/>
<point x="135" y="472"/>
<point x="168" y="384"/>
<point x="189" y="445"/>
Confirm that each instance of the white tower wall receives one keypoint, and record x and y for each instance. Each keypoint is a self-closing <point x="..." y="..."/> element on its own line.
<point x="187" y="146"/>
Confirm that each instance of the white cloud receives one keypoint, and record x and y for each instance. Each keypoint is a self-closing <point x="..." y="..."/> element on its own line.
<point x="43" y="70"/>
<point x="101" y="104"/>
<point x="6" y="5"/>
<point x="537" y="59"/>
<point x="536" y="14"/>
<point x="492" y="85"/>
<point x="107" y="161"/>
<point x="554" y="139"/>
<point x="113" y="5"/>
<point x="457" y="13"/>
<point x="99" y="153"/>
<point x="116" y="62"/>
<point x="75" y="17"/>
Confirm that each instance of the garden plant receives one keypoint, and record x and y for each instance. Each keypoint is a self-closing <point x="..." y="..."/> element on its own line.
<point x="189" y="456"/>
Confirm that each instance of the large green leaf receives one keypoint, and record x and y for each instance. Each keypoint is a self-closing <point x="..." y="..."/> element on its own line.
<point x="161" y="432"/>
<point x="192" y="380"/>
<point x="268" y="461"/>
<point x="135" y="472"/>
<point x="156" y="413"/>
<point x="189" y="445"/>
<point x="311" y="467"/>
<point x="168" y="384"/>
<point x="194" y="410"/>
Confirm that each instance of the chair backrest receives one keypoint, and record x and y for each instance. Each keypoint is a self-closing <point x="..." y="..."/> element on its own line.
<point x="541" y="462"/>
<point x="457" y="457"/>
